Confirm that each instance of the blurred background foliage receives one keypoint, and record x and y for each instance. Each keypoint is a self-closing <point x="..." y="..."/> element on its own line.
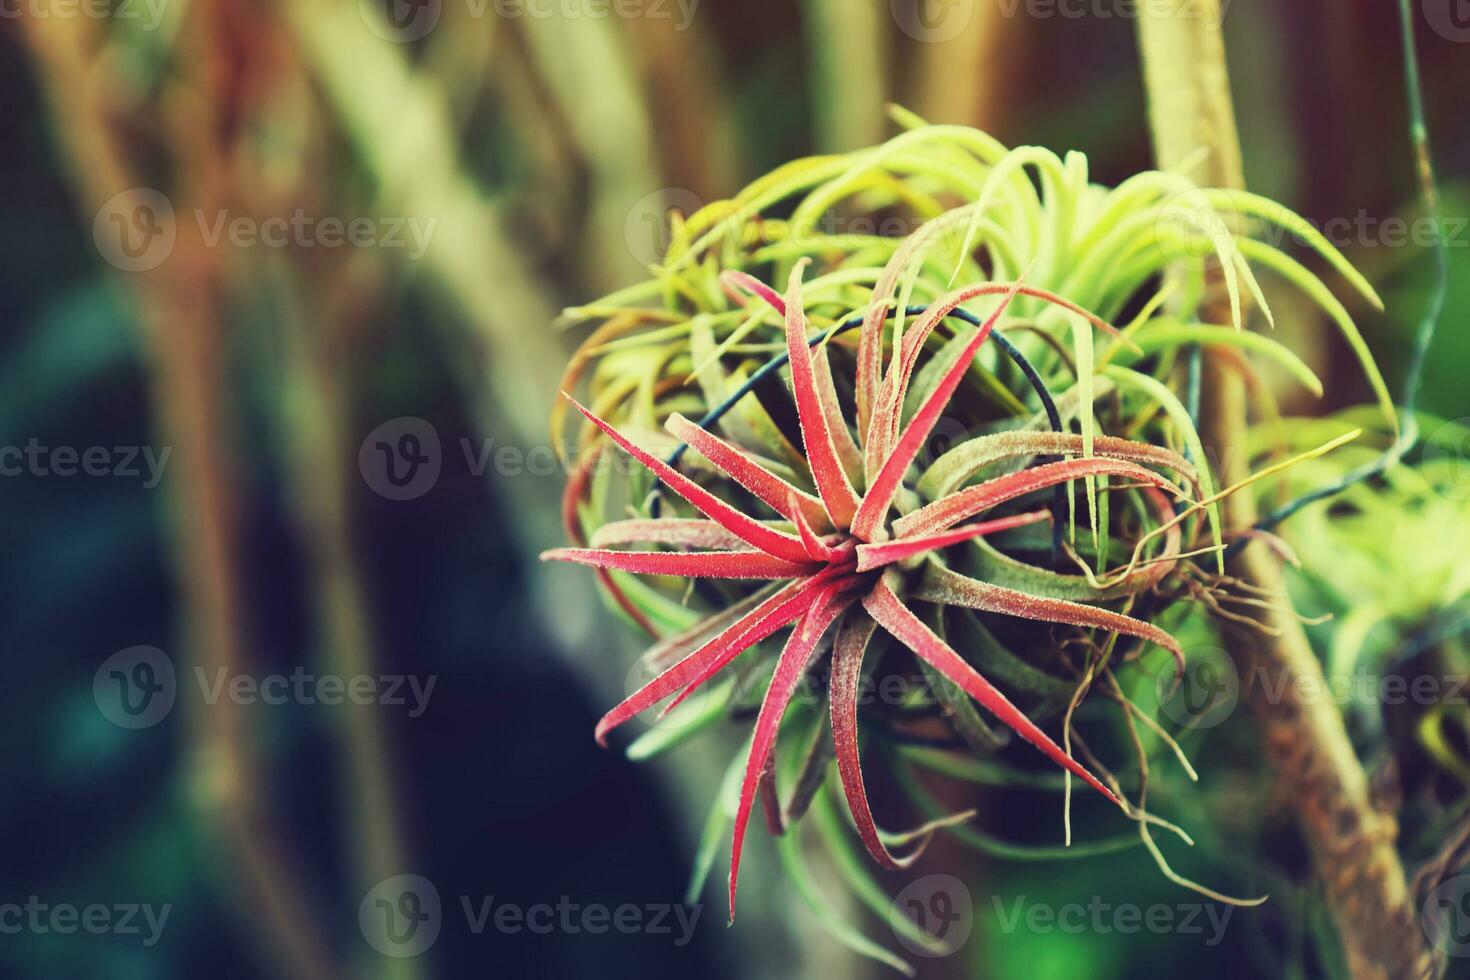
<point x="548" y="151"/>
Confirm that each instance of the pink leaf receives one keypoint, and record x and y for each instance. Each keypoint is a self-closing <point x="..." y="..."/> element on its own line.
<point x="832" y="484"/>
<point x="765" y="619"/>
<point x="883" y="487"/>
<point x="828" y="575"/>
<point x="815" y="546"/>
<point x="949" y="587"/>
<point x="747" y="528"/>
<point x="790" y="669"/>
<point x="847" y="668"/>
<point x="734" y="280"/>
<point x="842" y="441"/>
<point x="961" y="504"/>
<point x="908" y="629"/>
<point x="871" y="556"/>
<point x="699" y="564"/>
<point x="773" y="491"/>
<point x="666" y="530"/>
<point x="896" y="384"/>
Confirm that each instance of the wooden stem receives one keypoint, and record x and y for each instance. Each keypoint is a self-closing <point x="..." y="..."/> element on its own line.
<point x="1306" y="741"/>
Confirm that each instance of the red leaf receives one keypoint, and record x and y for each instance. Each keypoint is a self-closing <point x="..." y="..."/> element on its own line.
<point x="750" y="530"/>
<point x="908" y="629"/>
<point x="952" y="588"/>
<point x="847" y="668"/>
<point x="773" y="491"/>
<point x="666" y="530"/>
<point x="896" y="384"/>
<point x="765" y="619"/>
<point x="871" y="556"/>
<point x="734" y="280"/>
<point x="827" y="575"/>
<point x="883" y="487"/>
<point x="961" y="504"/>
<point x="832" y="484"/>
<point x="698" y="564"/>
<point x="790" y="668"/>
<point x="572" y="520"/>
<point x="842" y="441"/>
<point x="815" y="546"/>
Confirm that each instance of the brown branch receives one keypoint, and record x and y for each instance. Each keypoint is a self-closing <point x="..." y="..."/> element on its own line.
<point x="1351" y="843"/>
<point x="179" y="307"/>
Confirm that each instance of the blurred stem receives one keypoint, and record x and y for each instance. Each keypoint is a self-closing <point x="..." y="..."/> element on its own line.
<point x="1307" y="742"/>
<point x="962" y="80"/>
<point x="319" y="450"/>
<point x="403" y="129"/>
<point x="850" y="68"/>
<point x="178" y="306"/>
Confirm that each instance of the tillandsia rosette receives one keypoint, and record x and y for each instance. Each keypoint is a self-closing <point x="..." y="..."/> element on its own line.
<point x="997" y="481"/>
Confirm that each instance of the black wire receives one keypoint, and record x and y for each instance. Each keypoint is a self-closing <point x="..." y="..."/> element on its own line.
<point x="1048" y="404"/>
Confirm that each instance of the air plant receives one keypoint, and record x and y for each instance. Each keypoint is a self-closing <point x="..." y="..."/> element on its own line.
<point x="844" y="565"/>
<point x="843" y="521"/>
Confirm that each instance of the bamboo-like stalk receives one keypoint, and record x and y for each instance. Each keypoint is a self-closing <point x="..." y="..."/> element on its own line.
<point x="1352" y="844"/>
<point x="178" y="305"/>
